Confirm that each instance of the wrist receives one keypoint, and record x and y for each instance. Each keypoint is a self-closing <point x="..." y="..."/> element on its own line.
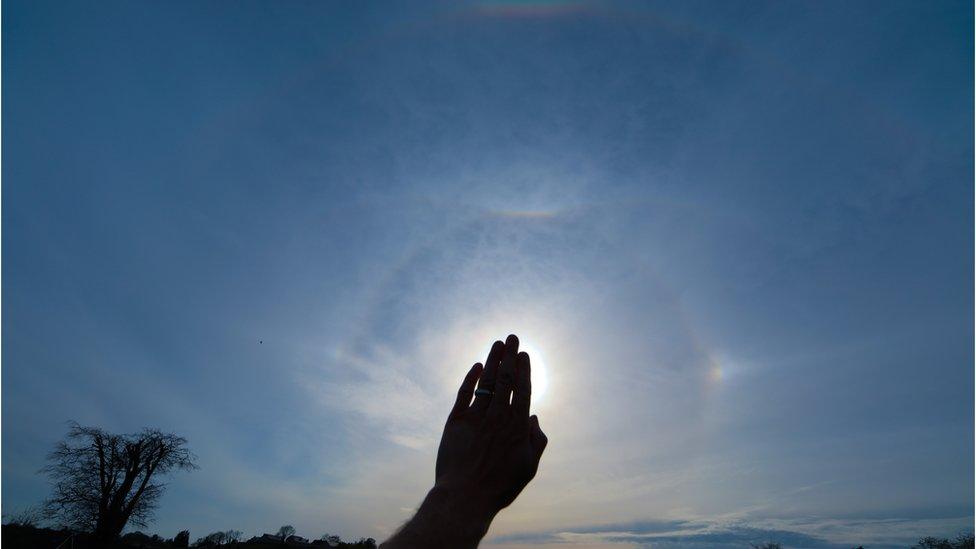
<point x="462" y="503"/>
<point x="448" y="518"/>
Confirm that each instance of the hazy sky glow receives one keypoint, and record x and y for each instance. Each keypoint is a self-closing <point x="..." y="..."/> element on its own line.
<point x="738" y="235"/>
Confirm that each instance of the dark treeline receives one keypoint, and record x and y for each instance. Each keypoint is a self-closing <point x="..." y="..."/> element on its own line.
<point x="104" y="483"/>
<point x="17" y="536"/>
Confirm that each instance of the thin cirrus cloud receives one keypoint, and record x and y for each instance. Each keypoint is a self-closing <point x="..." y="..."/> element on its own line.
<point x="690" y="534"/>
<point x="740" y="243"/>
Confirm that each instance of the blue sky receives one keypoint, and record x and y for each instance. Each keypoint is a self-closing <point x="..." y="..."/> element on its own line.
<point x="738" y="237"/>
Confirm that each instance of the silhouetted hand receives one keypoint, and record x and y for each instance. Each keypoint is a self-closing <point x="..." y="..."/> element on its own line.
<point x="490" y="448"/>
<point x="489" y="451"/>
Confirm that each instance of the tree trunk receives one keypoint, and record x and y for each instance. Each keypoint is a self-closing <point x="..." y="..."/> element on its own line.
<point x="108" y="528"/>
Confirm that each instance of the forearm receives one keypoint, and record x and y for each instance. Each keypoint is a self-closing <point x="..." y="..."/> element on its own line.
<point x="446" y="519"/>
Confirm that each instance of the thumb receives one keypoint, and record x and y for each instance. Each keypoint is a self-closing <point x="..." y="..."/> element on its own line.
<point x="537" y="438"/>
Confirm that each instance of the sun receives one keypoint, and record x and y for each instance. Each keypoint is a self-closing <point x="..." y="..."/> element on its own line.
<point x="540" y="372"/>
<point x="531" y="343"/>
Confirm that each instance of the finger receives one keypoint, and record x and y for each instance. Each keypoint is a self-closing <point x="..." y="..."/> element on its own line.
<point x="537" y="438"/>
<point x="488" y="376"/>
<point x="467" y="390"/>
<point x="522" y="397"/>
<point x="505" y="382"/>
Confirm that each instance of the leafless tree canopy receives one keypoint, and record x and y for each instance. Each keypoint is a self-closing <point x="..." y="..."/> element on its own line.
<point x="102" y="481"/>
<point x="28" y="516"/>
<point x="220" y="538"/>
<point x="286" y="530"/>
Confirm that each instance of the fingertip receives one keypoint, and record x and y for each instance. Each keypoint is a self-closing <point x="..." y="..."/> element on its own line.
<point x="495" y="354"/>
<point x="512" y="341"/>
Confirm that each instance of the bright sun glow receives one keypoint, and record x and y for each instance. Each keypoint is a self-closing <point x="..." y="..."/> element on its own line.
<point x="533" y="339"/>
<point x="540" y="375"/>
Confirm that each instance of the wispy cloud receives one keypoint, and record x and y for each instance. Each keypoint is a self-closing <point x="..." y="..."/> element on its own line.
<point x="808" y="533"/>
<point x="742" y="246"/>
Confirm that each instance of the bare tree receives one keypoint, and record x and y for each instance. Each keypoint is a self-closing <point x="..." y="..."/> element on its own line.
<point x="332" y="539"/>
<point x="103" y="481"/>
<point x="286" y="531"/>
<point x="182" y="539"/>
<point x="216" y="538"/>
<point x="220" y="538"/>
<point x="28" y="516"/>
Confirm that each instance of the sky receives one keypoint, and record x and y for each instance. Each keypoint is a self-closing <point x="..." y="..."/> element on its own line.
<point x="736" y="237"/>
